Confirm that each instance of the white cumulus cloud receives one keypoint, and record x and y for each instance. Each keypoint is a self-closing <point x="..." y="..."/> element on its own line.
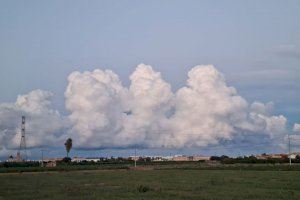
<point x="96" y="102"/>
<point x="105" y="114"/>
<point x="296" y="127"/>
<point x="44" y="126"/>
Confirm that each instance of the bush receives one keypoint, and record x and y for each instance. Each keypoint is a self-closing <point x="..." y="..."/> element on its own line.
<point x="20" y="164"/>
<point x="143" y="188"/>
<point x="67" y="160"/>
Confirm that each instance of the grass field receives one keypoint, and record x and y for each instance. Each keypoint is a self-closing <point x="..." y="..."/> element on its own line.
<point x="152" y="184"/>
<point x="157" y="166"/>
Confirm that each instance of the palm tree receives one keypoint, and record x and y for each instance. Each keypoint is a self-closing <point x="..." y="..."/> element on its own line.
<point x="68" y="145"/>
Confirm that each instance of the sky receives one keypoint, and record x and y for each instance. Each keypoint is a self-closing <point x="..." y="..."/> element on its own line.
<point x="254" y="44"/>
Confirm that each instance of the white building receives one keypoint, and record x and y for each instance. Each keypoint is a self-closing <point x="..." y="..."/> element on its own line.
<point x="78" y="159"/>
<point x="82" y="159"/>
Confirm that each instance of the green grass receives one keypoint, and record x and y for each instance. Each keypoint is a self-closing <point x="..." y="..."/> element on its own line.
<point x="157" y="166"/>
<point x="155" y="184"/>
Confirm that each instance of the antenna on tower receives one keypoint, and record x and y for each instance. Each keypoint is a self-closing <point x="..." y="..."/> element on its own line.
<point x="22" y="153"/>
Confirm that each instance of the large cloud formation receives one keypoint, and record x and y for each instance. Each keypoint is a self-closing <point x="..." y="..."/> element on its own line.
<point x="296" y="127"/>
<point x="104" y="113"/>
<point x="44" y="126"/>
<point x="148" y="114"/>
<point x="95" y="100"/>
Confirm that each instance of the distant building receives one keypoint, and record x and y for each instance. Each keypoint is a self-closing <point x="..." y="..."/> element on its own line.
<point x="81" y="159"/>
<point x="180" y="158"/>
<point x="157" y="158"/>
<point x="51" y="162"/>
<point x="15" y="159"/>
<point x="272" y="156"/>
<point x="277" y="156"/>
<point x="199" y="158"/>
<point x="167" y="158"/>
<point x="262" y="157"/>
<point x="78" y="159"/>
<point x="294" y="155"/>
<point x="92" y="159"/>
<point x="134" y="158"/>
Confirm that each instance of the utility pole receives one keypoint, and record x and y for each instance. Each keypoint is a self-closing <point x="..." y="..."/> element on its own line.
<point x="42" y="164"/>
<point x="135" y="157"/>
<point x="290" y="158"/>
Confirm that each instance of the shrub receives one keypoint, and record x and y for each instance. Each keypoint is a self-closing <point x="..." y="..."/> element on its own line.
<point x="67" y="160"/>
<point x="143" y="188"/>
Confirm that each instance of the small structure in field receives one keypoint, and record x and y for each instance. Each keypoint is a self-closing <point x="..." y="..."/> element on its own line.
<point x="51" y="162"/>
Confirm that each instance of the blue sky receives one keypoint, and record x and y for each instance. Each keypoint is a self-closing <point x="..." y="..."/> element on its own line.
<point x="255" y="44"/>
